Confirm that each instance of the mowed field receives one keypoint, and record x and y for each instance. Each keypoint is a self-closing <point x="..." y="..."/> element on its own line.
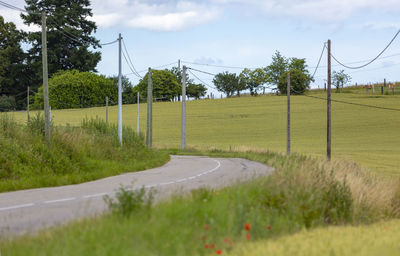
<point x="368" y="136"/>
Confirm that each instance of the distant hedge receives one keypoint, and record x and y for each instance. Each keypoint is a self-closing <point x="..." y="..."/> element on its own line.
<point x="74" y="89"/>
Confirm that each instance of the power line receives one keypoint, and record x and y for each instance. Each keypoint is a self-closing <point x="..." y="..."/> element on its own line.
<point x="217" y="66"/>
<point x="204" y="72"/>
<point x="374" y="59"/>
<point x="206" y="84"/>
<point x="113" y="42"/>
<point x="130" y="60"/>
<point x="13" y="7"/>
<point x="319" y="61"/>
<point x="127" y="62"/>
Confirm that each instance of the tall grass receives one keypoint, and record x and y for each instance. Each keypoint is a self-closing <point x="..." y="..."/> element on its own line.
<point x="75" y="155"/>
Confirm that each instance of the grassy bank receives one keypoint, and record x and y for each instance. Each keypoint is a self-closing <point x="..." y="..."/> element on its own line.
<point x="378" y="239"/>
<point x="76" y="155"/>
<point x="302" y="193"/>
<point x="366" y="135"/>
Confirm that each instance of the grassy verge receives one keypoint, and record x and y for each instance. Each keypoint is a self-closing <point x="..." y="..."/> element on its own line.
<point x="379" y="239"/>
<point x="76" y="155"/>
<point x="302" y="193"/>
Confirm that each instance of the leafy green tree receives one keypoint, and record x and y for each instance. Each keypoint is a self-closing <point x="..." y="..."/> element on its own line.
<point x="67" y="20"/>
<point x="196" y="91"/>
<point x="7" y="103"/>
<point x="300" y="78"/>
<point x="340" y="78"/>
<point x="279" y="65"/>
<point x="252" y="80"/>
<point x="128" y="94"/>
<point x="299" y="82"/>
<point x="74" y="89"/>
<point x="165" y="85"/>
<point x="179" y="74"/>
<point x="227" y="83"/>
<point x="13" y="78"/>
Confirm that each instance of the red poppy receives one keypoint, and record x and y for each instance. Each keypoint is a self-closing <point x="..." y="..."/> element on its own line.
<point x="207" y="227"/>
<point x="247" y="226"/>
<point x="268" y="227"/>
<point x="212" y="246"/>
<point x="206" y="246"/>
<point x="248" y="236"/>
<point x="219" y="251"/>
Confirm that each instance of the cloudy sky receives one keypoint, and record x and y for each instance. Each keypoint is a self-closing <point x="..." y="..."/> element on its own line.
<point x="246" y="33"/>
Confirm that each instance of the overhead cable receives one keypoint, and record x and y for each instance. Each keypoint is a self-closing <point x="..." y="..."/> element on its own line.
<point x="371" y="61"/>
<point x="130" y="60"/>
<point x="204" y="72"/>
<point x="206" y="84"/>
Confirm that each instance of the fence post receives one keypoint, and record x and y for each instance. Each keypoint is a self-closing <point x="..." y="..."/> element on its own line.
<point x="183" y="129"/>
<point x="107" y="109"/>
<point x="27" y="106"/>
<point x="288" y="115"/>
<point x="137" y="117"/>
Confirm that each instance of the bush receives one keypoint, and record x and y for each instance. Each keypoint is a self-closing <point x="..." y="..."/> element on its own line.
<point x="74" y="89"/>
<point x="7" y="103"/>
<point x="128" y="201"/>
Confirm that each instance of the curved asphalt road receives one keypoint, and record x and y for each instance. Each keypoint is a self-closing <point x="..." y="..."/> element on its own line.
<point x="29" y="210"/>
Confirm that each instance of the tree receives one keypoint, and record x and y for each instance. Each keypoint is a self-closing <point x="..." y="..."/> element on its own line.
<point x="74" y="89"/>
<point x="279" y="65"/>
<point x="129" y="96"/>
<point x="299" y="82"/>
<point x="196" y="91"/>
<point x="340" y="78"/>
<point x="13" y="79"/>
<point x="165" y="85"/>
<point x="68" y="37"/>
<point x="300" y="78"/>
<point x="226" y="82"/>
<point x="252" y="80"/>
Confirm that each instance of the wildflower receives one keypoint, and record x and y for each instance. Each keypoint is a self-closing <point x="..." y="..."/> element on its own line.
<point x="248" y="236"/>
<point x="247" y="226"/>
<point x="212" y="246"/>
<point x="268" y="227"/>
<point x="219" y="252"/>
<point x="206" y="246"/>
<point x="207" y="227"/>
<point x="203" y="238"/>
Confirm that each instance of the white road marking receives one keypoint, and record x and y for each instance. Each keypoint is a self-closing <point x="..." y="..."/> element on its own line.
<point x="16" y="207"/>
<point x="95" y="195"/>
<point x="59" y="200"/>
<point x="103" y="194"/>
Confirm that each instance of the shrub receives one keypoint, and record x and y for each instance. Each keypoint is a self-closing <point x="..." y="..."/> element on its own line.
<point x="128" y="200"/>
<point x="7" y="103"/>
<point x="74" y="89"/>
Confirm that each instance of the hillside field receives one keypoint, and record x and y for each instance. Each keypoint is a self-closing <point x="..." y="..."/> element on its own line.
<point x="368" y="136"/>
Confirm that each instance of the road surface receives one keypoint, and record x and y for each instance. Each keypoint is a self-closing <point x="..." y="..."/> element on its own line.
<point x="27" y="211"/>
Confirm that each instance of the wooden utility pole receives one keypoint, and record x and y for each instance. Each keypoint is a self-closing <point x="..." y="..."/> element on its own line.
<point x="183" y="129"/>
<point x="288" y="116"/>
<point x="107" y="109"/>
<point x="329" y="121"/>
<point x="47" y="127"/>
<point x="149" y="133"/>
<point x="27" y="105"/>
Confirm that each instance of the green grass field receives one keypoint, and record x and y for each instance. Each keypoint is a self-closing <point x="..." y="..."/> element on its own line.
<point x="365" y="135"/>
